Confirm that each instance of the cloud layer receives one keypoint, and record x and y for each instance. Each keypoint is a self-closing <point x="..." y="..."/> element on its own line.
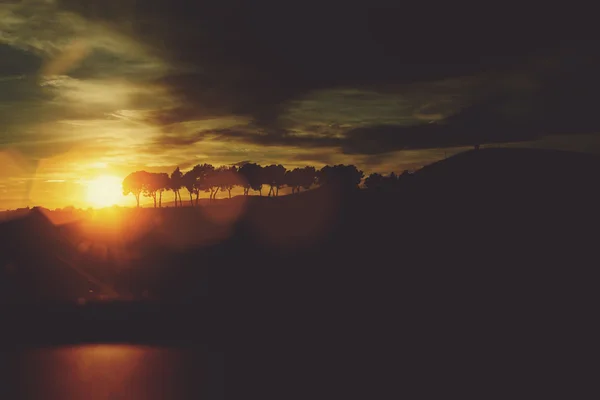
<point x="251" y="58"/>
<point x="159" y="83"/>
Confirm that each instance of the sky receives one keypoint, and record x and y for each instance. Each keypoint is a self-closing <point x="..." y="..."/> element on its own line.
<point x="100" y="88"/>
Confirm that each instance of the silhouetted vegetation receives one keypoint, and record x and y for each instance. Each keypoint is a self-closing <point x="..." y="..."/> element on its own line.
<point x="392" y="181"/>
<point x="300" y="178"/>
<point x="488" y="246"/>
<point x="136" y="183"/>
<point x="318" y="236"/>
<point x="210" y="179"/>
<point x="176" y="183"/>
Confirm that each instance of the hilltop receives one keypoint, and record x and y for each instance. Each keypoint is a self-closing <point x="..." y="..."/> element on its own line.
<point x="503" y="166"/>
<point x="485" y="256"/>
<point x="510" y="210"/>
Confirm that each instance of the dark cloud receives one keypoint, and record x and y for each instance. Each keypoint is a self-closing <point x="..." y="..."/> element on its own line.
<point x="251" y="58"/>
<point x="384" y="139"/>
<point x="370" y="140"/>
<point x="257" y="59"/>
<point x="171" y="141"/>
<point x="241" y="163"/>
<point x="251" y="135"/>
<point x="500" y="117"/>
<point x="312" y="157"/>
<point x="103" y="63"/>
<point x="16" y="62"/>
<point x="518" y="110"/>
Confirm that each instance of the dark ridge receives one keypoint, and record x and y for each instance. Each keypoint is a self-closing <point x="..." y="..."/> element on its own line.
<point x="482" y="263"/>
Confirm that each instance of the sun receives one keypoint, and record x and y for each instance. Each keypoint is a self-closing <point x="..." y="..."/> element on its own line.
<point x="104" y="191"/>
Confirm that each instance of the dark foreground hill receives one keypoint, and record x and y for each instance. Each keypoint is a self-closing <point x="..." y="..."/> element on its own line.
<point x="36" y="264"/>
<point x="479" y="269"/>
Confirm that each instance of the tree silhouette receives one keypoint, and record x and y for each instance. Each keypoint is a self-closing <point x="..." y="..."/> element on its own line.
<point x="404" y="176"/>
<point x="308" y="176"/>
<point x="204" y="179"/>
<point x="176" y="182"/>
<point x="198" y="179"/>
<point x="228" y="178"/>
<point x="189" y="182"/>
<point x="135" y="183"/>
<point x="152" y="185"/>
<point x="344" y="176"/>
<point x="385" y="182"/>
<point x="245" y="177"/>
<point x="374" y="181"/>
<point x="212" y="180"/>
<point x="300" y="177"/>
<point x="274" y="176"/>
<point x="252" y="177"/>
<point x="163" y="183"/>
<point x="293" y="179"/>
<point x="389" y="182"/>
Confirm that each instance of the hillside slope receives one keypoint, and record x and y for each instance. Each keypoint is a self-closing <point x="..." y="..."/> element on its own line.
<point x="481" y="266"/>
<point x="37" y="265"/>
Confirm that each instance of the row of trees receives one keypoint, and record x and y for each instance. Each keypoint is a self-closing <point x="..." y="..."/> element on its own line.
<point x="210" y="179"/>
<point x="386" y="182"/>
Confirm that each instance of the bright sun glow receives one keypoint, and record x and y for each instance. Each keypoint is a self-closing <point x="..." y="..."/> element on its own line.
<point x="104" y="191"/>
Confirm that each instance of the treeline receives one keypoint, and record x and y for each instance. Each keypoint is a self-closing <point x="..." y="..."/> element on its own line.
<point x="210" y="179"/>
<point x="389" y="182"/>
